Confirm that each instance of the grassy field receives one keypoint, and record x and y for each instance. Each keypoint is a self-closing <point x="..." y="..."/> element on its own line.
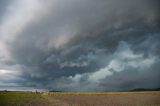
<point x="80" y="99"/>
<point x="21" y="99"/>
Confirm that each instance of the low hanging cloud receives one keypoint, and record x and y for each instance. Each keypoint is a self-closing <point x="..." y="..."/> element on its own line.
<point x="91" y="45"/>
<point x="122" y="60"/>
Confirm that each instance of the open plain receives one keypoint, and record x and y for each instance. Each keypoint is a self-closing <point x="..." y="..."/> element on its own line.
<point x="80" y="99"/>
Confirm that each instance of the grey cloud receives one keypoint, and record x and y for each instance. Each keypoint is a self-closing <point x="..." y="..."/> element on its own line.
<point x="88" y="45"/>
<point x="3" y="7"/>
<point x="125" y="71"/>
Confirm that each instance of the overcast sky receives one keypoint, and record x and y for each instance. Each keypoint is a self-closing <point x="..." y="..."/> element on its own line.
<point x="79" y="45"/>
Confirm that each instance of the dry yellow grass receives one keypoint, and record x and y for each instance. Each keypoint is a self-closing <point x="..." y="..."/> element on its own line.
<point x="80" y="99"/>
<point x="151" y="98"/>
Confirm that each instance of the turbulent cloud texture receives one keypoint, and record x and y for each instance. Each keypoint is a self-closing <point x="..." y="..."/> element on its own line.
<point x="79" y="45"/>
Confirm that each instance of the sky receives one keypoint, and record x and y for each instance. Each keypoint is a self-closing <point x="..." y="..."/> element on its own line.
<point x="79" y="45"/>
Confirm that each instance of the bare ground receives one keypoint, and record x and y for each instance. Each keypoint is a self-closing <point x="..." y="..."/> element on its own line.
<point x="110" y="99"/>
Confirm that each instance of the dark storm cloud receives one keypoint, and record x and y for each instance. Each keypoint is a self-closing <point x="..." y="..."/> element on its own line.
<point x="84" y="45"/>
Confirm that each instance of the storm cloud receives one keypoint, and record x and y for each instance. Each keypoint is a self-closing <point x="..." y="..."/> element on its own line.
<point x="79" y="45"/>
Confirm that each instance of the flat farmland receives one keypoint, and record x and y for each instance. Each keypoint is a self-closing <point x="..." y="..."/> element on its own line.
<point x="80" y="99"/>
<point x="109" y="99"/>
<point x="22" y="99"/>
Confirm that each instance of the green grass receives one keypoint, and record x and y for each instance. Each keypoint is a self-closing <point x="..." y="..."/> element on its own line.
<point x="19" y="99"/>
